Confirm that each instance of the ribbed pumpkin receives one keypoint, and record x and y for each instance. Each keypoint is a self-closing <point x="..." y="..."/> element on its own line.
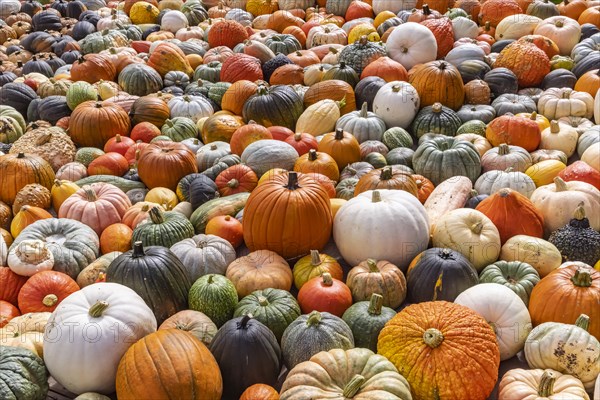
<point x="528" y="62"/>
<point x="247" y="134"/>
<point x="260" y="269"/>
<point x="149" y="109"/>
<point x="342" y="146"/>
<point x="512" y="130"/>
<point x="226" y="33"/>
<point x="19" y="170"/>
<point x="496" y="10"/>
<point x="319" y="162"/>
<point x="93" y="123"/>
<point x="177" y="350"/>
<point x="163" y="228"/>
<point x="10" y="285"/>
<point x="168" y="57"/>
<point x="260" y="391"/>
<point x="377" y="277"/>
<point x="438" y="82"/>
<point x="44" y="291"/>
<point x="239" y="67"/>
<point x="314" y="265"/>
<point x="163" y="164"/>
<point x="438" y="332"/>
<point x="236" y="95"/>
<point x="390" y="177"/>
<point x="92" y="68"/>
<point x="236" y="179"/>
<point x="513" y="214"/>
<point x="518" y="276"/>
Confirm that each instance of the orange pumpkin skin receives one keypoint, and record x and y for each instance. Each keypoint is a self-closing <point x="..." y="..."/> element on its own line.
<point x="298" y="33"/>
<point x="302" y="142"/>
<point x="116" y="237"/>
<point x="325" y="182"/>
<point x="386" y="178"/>
<point x="236" y="179"/>
<point x="516" y="131"/>
<point x="444" y="35"/>
<point x="589" y="82"/>
<point x="289" y="215"/>
<point x="226" y="227"/>
<point x="246" y="135"/>
<point x="234" y="98"/>
<point x="494" y="11"/>
<point x="45" y="290"/>
<point x="325" y="294"/>
<point x="10" y="285"/>
<point x="239" y="67"/>
<point x="167" y="355"/>
<point x="303" y="58"/>
<point x="590" y="16"/>
<point x="358" y="9"/>
<point x="145" y="131"/>
<point x="576" y="288"/>
<point x="26" y="216"/>
<point x="513" y="214"/>
<point x="572" y="9"/>
<point x="7" y="312"/>
<point x="445" y="78"/>
<point x="543" y="43"/>
<point x="19" y="170"/>
<point x="412" y="343"/>
<point x="118" y="144"/>
<point x="226" y="33"/>
<point x="280" y="132"/>
<point x="387" y="69"/>
<point x="93" y="123"/>
<point x="342" y="146"/>
<point x="149" y="109"/>
<point x="166" y="57"/>
<point x="92" y="68"/>
<point x="109" y="164"/>
<point x="529" y="63"/>
<point x="319" y="162"/>
<point x="260" y="391"/>
<point x="289" y="74"/>
<point x="425" y="187"/>
<point x="332" y="89"/>
<point x="581" y="171"/>
<point x="163" y="164"/>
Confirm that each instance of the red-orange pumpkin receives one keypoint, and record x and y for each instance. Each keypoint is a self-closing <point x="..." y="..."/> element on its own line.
<point x="10" y="284"/>
<point x="241" y="67"/>
<point x="236" y="179"/>
<point x="118" y="144"/>
<point x="302" y="142"/>
<point x="246" y="135"/>
<point x="109" y="164"/>
<point x="581" y="171"/>
<point x="494" y="11"/>
<point x="444" y="35"/>
<point x="280" y="132"/>
<point x="116" y="237"/>
<point x="512" y="130"/>
<point x="7" y="312"/>
<point x="226" y="227"/>
<point x="163" y="164"/>
<point x="226" y="33"/>
<point x="145" y="131"/>
<point x="45" y="290"/>
<point x="325" y="294"/>
<point x="387" y="69"/>
<point x="528" y="62"/>
<point x="93" y="123"/>
<point x="260" y="391"/>
<point x="93" y="68"/>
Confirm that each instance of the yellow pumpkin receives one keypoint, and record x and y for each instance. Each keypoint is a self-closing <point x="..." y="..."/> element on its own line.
<point x="163" y="196"/>
<point x="365" y="29"/>
<point x="544" y="172"/>
<point x="539" y="119"/>
<point x="336" y="204"/>
<point x="382" y="17"/>
<point x="270" y="174"/>
<point x="320" y="117"/>
<point x="25" y="217"/>
<point x="60" y="191"/>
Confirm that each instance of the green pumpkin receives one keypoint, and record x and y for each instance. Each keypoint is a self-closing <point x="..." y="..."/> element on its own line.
<point x="397" y="137"/>
<point x="80" y="92"/>
<point x="194" y="12"/>
<point x="436" y="119"/>
<point x="312" y="333"/>
<point x="400" y="156"/>
<point x="361" y="53"/>
<point x="216" y="92"/>
<point x="345" y="189"/>
<point x="104" y="40"/>
<point x="474" y="126"/>
<point x="179" y="128"/>
<point x="342" y="72"/>
<point x="85" y="155"/>
<point x="456" y="12"/>
<point x="23" y="375"/>
<point x="208" y="72"/>
<point x="140" y="80"/>
<point x="367" y="319"/>
<point x="518" y="276"/>
<point x="132" y="32"/>
<point x="10" y="130"/>
<point x="163" y="228"/>
<point x="275" y="308"/>
<point x="277" y="105"/>
<point x="161" y="138"/>
<point x="10" y="112"/>
<point x="283" y="43"/>
<point x="441" y="158"/>
<point x="215" y="296"/>
<point x="377" y="160"/>
<point x="156" y="274"/>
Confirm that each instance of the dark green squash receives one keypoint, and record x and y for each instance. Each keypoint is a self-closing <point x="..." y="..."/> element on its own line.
<point x="75" y="9"/>
<point x="312" y="333"/>
<point x="46" y="21"/>
<point x="216" y="92"/>
<point x="18" y="96"/>
<point x="283" y="44"/>
<point x="39" y="66"/>
<point x="473" y="69"/>
<point x="345" y="188"/>
<point x="215" y="296"/>
<point x="201" y="190"/>
<point x="23" y="375"/>
<point x="577" y="241"/>
<point x="270" y="66"/>
<point x="476" y="127"/>
<point x="436" y="119"/>
<point x="208" y="72"/>
<point x="439" y="274"/>
<point x="247" y="353"/>
<point x="377" y="160"/>
<point x="53" y="108"/>
<point x="163" y="228"/>
<point x="275" y="308"/>
<point x="361" y="53"/>
<point x="274" y="106"/>
<point x="397" y="137"/>
<point x="223" y="163"/>
<point x="366" y="319"/>
<point x="518" y="276"/>
<point x="140" y="80"/>
<point x="194" y="12"/>
<point x="400" y="156"/>
<point x="156" y="274"/>
<point x="559" y="78"/>
<point x="501" y="81"/>
<point x="342" y="72"/>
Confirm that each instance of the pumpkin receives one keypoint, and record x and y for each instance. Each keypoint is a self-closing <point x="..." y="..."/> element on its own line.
<point x="437" y="337"/>
<point x="518" y="276"/>
<point x="377" y="277"/>
<point x="342" y="146"/>
<point x="313" y="333"/>
<point x="26" y="331"/>
<point x="397" y="103"/>
<point x="104" y="305"/>
<point x="10" y="285"/>
<point x="32" y="195"/>
<point x="109" y="164"/>
<point x="333" y="89"/>
<point x="168" y="57"/>
<point x="215" y="296"/>
<point x="175" y="161"/>
<point x="24" y="374"/>
<point x="317" y="162"/>
<point x="156" y="274"/>
<point x="193" y="322"/>
<point x="520" y="384"/>
<point x="260" y="391"/>
<point x="445" y="77"/>
<point x="163" y="228"/>
<point x="93" y="123"/>
<point x="572" y="284"/>
<point x="493" y="181"/>
<point x="411" y="44"/>
<point x="25" y="217"/>
<point x="314" y="265"/>
<point x="164" y="197"/>
<point x="325" y="294"/>
<point x="149" y="109"/>
<point x="92" y="68"/>
<point x="19" y="170"/>
<point x="259" y="270"/>
<point x="520" y="57"/>
<point x="436" y="119"/>
<point x="44" y="291"/>
<point x="539" y="253"/>
<point x="302" y="142"/>
<point x="577" y="241"/>
<point x="340" y="372"/>
<point x="278" y="105"/>
<point x="546" y="347"/>
<point x="515" y="131"/>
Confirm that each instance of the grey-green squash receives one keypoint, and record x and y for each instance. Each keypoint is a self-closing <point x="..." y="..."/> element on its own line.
<point x="436" y="119"/>
<point x="518" y="276"/>
<point x="397" y="137"/>
<point x="179" y="128"/>
<point x="163" y="228"/>
<point x="23" y="375"/>
<point x="366" y="319"/>
<point x="215" y="296"/>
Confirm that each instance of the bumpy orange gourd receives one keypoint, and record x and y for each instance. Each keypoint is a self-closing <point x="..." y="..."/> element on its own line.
<point x="494" y="11"/>
<point x="516" y="131"/>
<point x="528" y="62"/>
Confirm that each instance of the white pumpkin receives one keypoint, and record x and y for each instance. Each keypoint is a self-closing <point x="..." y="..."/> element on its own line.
<point x="113" y="21"/>
<point x="470" y="233"/>
<point x="8" y="7"/>
<point x="562" y="30"/>
<point x="264" y="155"/>
<point x="192" y="107"/>
<point x="557" y="202"/>
<point x="363" y="124"/>
<point x="504" y="310"/>
<point x="326" y="34"/>
<point x="204" y="254"/>
<point x="30" y="257"/>
<point x="397" y="103"/>
<point x="597" y="389"/>
<point x="559" y="136"/>
<point x="394" y="6"/>
<point x="464" y="28"/>
<point x="592" y="156"/>
<point x="89" y="332"/>
<point x="540" y="384"/>
<point x="493" y="181"/>
<point x="556" y="103"/>
<point x="539" y="253"/>
<point x="569" y="349"/>
<point x="173" y="21"/>
<point x="516" y="26"/>
<point x="411" y="44"/>
<point x="383" y="224"/>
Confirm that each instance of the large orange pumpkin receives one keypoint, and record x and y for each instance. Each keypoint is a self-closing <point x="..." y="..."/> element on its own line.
<point x="494" y="11"/>
<point x="387" y="69"/>
<point x="227" y="33"/>
<point x="528" y="62"/>
<point x="94" y="122"/>
<point x="160" y="366"/>
<point x="438" y="82"/>
<point x="163" y="164"/>
<point x="513" y="214"/>
<point x="44" y="291"/>
<point x="516" y="131"/>
<point x="566" y="293"/>
<point x="444" y="350"/>
<point x="236" y="95"/>
<point x="92" y="68"/>
<point x="116" y="237"/>
<point x="342" y="146"/>
<point x="288" y="214"/>
<point x="19" y="170"/>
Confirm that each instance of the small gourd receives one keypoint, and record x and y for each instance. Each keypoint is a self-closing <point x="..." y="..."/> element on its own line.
<point x="367" y="319"/>
<point x="577" y="241"/>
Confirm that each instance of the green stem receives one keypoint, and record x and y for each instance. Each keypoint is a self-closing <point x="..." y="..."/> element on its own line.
<point x="353" y="386"/>
<point x="583" y="321"/>
<point x="97" y="309"/>
<point x="375" y="304"/>
<point x="546" y="388"/>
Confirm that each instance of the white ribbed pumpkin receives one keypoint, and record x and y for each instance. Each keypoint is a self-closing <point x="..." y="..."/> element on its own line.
<point x="173" y="21"/>
<point x="411" y="44"/>
<point x="397" y="103"/>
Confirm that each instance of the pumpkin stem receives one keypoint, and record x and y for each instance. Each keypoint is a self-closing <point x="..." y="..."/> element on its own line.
<point x="327" y="279"/>
<point x="292" y="180"/>
<point x="546" y="387"/>
<point x="375" y="197"/>
<point x="474" y="193"/>
<point x="314" y="318"/>
<point x="494" y="327"/>
<point x="353" y="386"/>
<point x="561" y="186"/>
<point x="503" y="149"/>
<point x="312" y="155"/>
<point x="315" y="258"/>
<point x="233" y="183"/>
<point x="50" y="300"/>
<point x="477" y="228"/>
<point x="156" y="215"/>
<point x="263" y="301"/>
<point x="386" y="173"/>
<point x="363" y="40"/>
<point x="436" y="107"/>
<point x="43" y="139"/>
<point x="445" y="253"/>
<point x="243" y="324"/>
<point x="433" y="337"/>
<point x="90" y="194"/>
<point x="579" y="212"/>
<point x="375" y="304"/>
<point x="21" y="155"/>
<point x="554" y="127"/>
<point x="583" y="321"/>
<point x="97" y="309"/>
<point x="582" y="278"/>
<point x="138" y="250"/>
<point x="372" y="264"/>
<point x="504" y="192"/>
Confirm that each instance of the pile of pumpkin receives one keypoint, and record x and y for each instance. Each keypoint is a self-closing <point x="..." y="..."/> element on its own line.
<point x="376" y="199"/>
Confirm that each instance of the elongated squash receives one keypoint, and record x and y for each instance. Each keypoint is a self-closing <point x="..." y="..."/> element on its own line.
<point x="229" y="205"/>
<point x="122" y="183"/>
<point x="320" y="117"/>
<point x="449" y="195"/>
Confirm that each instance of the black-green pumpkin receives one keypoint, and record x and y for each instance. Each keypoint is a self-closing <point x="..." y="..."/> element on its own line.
<point x="23" y="375"/>
<point x="501" y="81"/>
<point x="277" y="105"/>
<point x="197" y="189"/>
<point x="163" y="228"/>
<point x="439" y="274"/>
<point x="208" y="72"/>
<point x="215" y="296"/>
<point x="18" y="96"/>
<point x="518" y="276"/>
<point x="179" y="128"/>
<point x="216" y="92"/>
<point x="400" y="156"/>
<point x="342" y="72"/>
<point x="140" y="80"/>
<point x="275" y="308"/>
<point x="312" y="333"/>
<point x="361" y="53"/>
<point x="194" y="12"/>
<point x="441" y="158"/>
<point x="577" y="241"/>
<point x="366" y="90"/>
<point x="199" y="87"/>
<point x="377" y="160"/>
<point x="271" y="65"/>
<point x="156" y="274"/>
<point x="366" y="319"/>
<point x="247" y="353"/>
<point x="436" y="119"/>
<point x="223" y="163"/>
<point x="53" y="108"/>
<point x="397" y="137"/>
<point x="473" y="69"/>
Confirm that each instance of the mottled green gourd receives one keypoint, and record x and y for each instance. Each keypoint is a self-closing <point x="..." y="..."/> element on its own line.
<point x="366" y="319"/>
<point x="22" y="375"/>
<point x="577" y="241"/>
<point x="163" y="228"/>
<point x="518" y="276"/>
<point x="215" y="296"/>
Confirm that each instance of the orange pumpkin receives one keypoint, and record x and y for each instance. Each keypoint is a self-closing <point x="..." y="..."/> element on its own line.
<point x="168" y="57"/>
<point x="589" y="82"/>
<point x="304" y="58"/>
<point x="281" y="19"/>
<point x="241" y="67"/>
<point x="26" y="216"/>
<point x="386" y="178"/>
<point x="342" y="146"/>
<point x="280" y="132"/>
<point x="332" y="89"/>
<point x="325" y="294"/>
<point x="325" y="182"/>
<point x="315" y="161"/>
<point x="298" y="33"/>
<point x="289" y="74"/>
<point x="358" y="9"/>
<point x="438" y="82"/>
<point x="163" y="164"/>
<point x="145" y="131"/>
<point x="226" y="227"/>
<point x="137" y="213"/>
<point x="512" y="130"/>
<point x="260" y="391"/>
<point x="92" y="68"/>
<point x="118" y="144"/>
<point x="494" y="11"/>
<point x="7" y="312"/>
<point x="93" y="123"/>
<point x="167" y="355"/>
<point x="302" y="142"/>
<point x="258" y="270"/>
<point x="387" y="69"/>
<point x="116" y="237"/>
<point x="247" y="134"/>
<point x="314" y="265"/>
<point x="581" y="171"/>
<point x="590" y="16"/>
<point x="543" y="43"/>
<point x="444" y="35"/>
<point x="44" y="291"/>
<point x="572" y="9"/>
<point x="236" y="179"/>
<point x="513" y="214"/>
<point x="236" y="95"/>
<point x="10" y="285"/>
<point x="19" y="170"/>
<point x="220" y="127"/>
<point x="528" y="62"/>
<point x="109" y="164"/>
<point x="288" y="214"/>
<point x="151" y="109"/>
<point x="424" y="187"/>
<point x="575" y="288"/>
